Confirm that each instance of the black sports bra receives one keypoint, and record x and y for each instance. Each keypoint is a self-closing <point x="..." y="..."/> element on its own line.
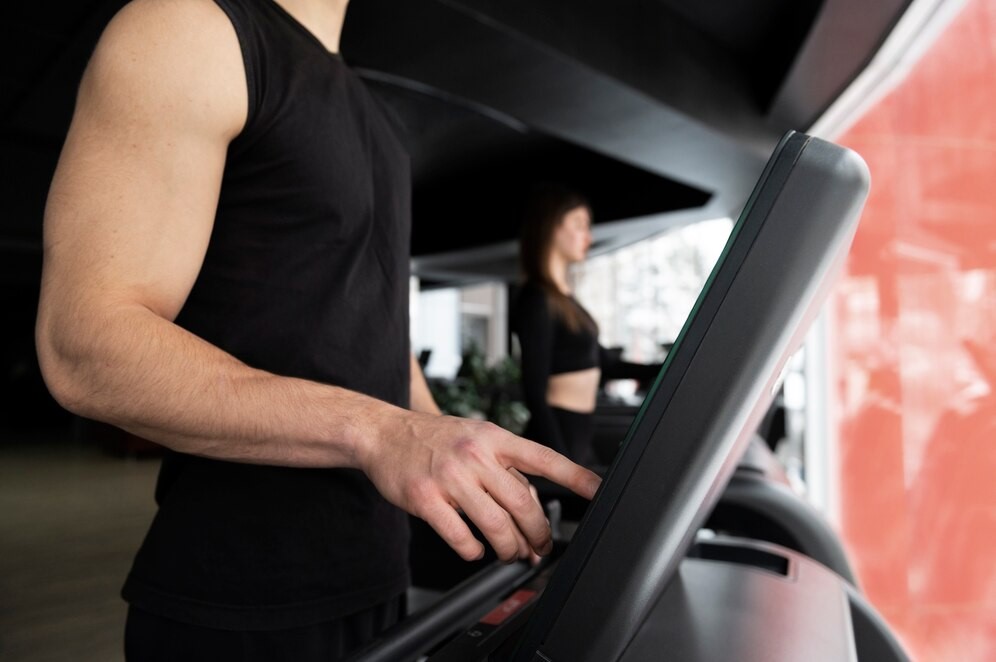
<point x="549" y="346"/>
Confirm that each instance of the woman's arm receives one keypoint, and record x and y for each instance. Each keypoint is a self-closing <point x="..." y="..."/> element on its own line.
<point x="615" y="368"/>
<point x="421" y="396"/>
<point x="534" y="328"/>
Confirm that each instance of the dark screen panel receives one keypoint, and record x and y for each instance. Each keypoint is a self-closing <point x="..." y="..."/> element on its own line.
<point x="718" y="380"/>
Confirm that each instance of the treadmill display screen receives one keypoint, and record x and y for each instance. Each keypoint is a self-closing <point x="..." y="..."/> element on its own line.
<point x="717" y="382"/>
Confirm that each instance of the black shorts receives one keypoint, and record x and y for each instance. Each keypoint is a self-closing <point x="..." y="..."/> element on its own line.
<point x="151" y="638"/>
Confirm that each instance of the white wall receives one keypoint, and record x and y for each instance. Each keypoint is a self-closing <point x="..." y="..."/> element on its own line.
<point x="436" y="326"/>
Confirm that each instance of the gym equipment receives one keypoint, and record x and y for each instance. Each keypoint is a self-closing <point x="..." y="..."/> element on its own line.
<point x="636" y="566"/>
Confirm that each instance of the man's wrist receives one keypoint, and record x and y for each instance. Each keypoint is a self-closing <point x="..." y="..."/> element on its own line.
<point x="379" y="424"/>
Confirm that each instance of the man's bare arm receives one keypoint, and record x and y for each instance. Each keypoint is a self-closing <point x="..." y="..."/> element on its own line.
<point x="128" y="219"/>
<point x="127" y="224"/>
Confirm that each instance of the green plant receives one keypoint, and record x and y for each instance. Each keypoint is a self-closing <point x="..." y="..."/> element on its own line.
<point x="484" y="392"/>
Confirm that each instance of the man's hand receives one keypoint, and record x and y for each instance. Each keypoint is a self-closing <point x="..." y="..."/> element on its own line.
<point x="438" y="466"/>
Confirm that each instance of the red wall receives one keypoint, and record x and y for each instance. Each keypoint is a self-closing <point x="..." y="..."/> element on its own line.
<point x="915" y="351"/>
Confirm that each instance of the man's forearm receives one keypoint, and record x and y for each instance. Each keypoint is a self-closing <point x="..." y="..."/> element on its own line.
<point x="136" y="370"/>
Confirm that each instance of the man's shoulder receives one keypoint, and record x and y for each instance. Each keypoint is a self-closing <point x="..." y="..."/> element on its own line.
<point x="167" y="54"/>
<point x="169" y="34"/>
<point x="161" y="19"/>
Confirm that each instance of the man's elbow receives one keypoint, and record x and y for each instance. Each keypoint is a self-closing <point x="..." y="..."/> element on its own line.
<point x="60" y="367"/>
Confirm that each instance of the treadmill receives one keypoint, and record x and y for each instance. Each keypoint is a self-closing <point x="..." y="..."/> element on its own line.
<point x="639" y="580"/>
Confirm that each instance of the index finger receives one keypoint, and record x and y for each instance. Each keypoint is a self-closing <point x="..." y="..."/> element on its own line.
<point x="539" y="460"/>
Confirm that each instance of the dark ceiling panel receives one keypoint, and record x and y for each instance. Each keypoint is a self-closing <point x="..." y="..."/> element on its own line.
<point x="647" y="105"/>
<point x="764" y="35"/>
<point x="737" y="26"/>
<point x="472" y="173"/>
<point x="840" y="46"/>
<point x="547" y="91"/>
<point x="718" y="61"/>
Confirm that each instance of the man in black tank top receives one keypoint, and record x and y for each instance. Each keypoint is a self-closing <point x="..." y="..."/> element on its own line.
<point x="226" y="250"/>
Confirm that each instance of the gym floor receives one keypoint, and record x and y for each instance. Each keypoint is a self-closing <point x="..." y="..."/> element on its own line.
<point x="71" y="518"/>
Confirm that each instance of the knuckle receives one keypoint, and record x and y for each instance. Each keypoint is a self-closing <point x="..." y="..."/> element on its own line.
<point x="419" y="492"/>
<point x="450" y="470"/>
<point x="521" y="499"/>
<point x="549" y="456"/>
<point x="507" y="549"/>
<point x="492" y="522"/>
<point x="454" y="533"/>
<point x="468" y="449"/>
<point x="545" y="457"/>
<point x="492" y="429"/>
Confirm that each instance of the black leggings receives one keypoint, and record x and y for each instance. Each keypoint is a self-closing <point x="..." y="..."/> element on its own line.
<point x="151" y="638"/>
<point x="576" y="430"/>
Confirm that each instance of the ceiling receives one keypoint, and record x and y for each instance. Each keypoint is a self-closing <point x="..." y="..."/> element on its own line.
<point x="661" y="111"/>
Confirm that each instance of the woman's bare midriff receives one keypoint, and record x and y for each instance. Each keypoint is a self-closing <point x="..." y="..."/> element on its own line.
<point x="574" y="391"/>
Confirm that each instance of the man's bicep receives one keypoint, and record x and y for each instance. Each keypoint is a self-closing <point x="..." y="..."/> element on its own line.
<point x="133" y="199"/>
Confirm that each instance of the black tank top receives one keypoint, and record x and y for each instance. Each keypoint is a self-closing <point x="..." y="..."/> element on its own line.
<point x="306" y="275"/>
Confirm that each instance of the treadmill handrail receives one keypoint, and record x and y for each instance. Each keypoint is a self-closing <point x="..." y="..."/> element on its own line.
<point x="430" y="626"/>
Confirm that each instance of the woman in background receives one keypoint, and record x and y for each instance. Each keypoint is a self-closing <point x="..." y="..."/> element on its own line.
<point x="562" y="362"/>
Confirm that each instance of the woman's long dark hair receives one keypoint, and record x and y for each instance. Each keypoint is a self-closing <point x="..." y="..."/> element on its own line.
<point x="544" y="212"/>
